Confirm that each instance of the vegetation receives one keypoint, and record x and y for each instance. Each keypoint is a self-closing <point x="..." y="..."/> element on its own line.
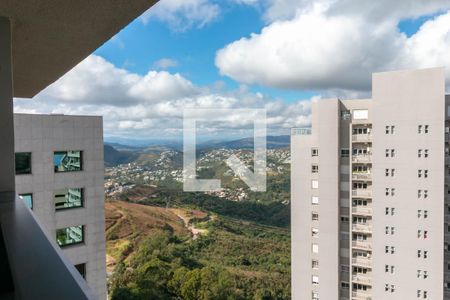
<point x="236" y="260"/>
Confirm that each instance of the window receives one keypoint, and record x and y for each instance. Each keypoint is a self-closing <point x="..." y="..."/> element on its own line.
<point x="68" y="161"/>
<point x="315" y="216"/>
<point x="315" y="279"/>
<point x="315" y="264"/>
<point x="389" y="172"/>
<point x="314" y="200"/>
<point x="425" y="173"/>
<point x="70" y="235"/>
<point x="315" y="296"/>
<point x="23" y="163"/>
<point x="315" y="248"/>
<point x="315" y="232"/>
<point x="425" y="153"/>
<point x="345" y="285"/>
<point x="27" y="199"/>
<point x="419" y="129"/>
<point x="314" y="169"/>
<point x="314" y="184"/>
<point x="392" y="152"/>
<point x="419" y="153"/>
<point x="345" y="152"/>
<point x="345" y="115"/>
<point x="82" y="269"/>
<point x="426" y="129"/>
<point x="419" y="173"/>
<point x="389" y="249"/>
<point x="314" y="152"/>
<point x="68" y="198"/>
<point x="390" y="129"/>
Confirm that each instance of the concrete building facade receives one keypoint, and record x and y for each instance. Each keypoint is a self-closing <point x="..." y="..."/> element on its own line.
<point x="369" y="193"/>
<point x="60" y="175"/>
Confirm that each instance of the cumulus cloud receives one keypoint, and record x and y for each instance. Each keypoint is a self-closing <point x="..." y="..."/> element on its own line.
<point x="96" y="80"/>
<point x="338" y="44"/>
<point x="152" y="105"/>
<point x="183" y="14"/>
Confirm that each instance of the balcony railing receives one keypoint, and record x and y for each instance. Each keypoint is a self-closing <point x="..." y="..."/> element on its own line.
<point x="362" y="278"/>
<point x="362" y="193"/>
<point x="362" y="158"/>
<point x="361" y="138"/>
<point x="362" y="261"/>
<point x="364" y="245"/>
<point x="361" y="295"/>
<point x="361" y="176"/>
<point x="37" y="267"/>
<point x="364" y="210"/>
<point x="300" y="131"/>
<point x="366" y="228"/>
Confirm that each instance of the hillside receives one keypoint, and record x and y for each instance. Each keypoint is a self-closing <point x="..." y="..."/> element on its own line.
<point x="160" y="257"/>
<point x="114" y="157"/>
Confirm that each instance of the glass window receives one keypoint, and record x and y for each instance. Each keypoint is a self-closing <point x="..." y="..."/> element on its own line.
<point x="27" y="199"/>
<point x="70" y="235"/>
<point x="68" y="198"/>
<point x="23" y="163"/>
<point x="67" y="161"/>
<point x="82" y="269"/>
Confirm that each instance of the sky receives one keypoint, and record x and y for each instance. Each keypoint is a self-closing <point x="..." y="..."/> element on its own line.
<point x="278" y="55"/>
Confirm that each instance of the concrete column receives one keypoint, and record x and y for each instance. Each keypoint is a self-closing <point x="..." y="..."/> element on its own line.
<point x="7" y="161"/>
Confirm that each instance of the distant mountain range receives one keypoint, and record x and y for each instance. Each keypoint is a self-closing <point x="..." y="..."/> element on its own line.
<point x="118" y="153"/>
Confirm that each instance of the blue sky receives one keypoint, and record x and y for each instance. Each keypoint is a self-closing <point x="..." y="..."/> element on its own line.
<point x="272" y="54"/>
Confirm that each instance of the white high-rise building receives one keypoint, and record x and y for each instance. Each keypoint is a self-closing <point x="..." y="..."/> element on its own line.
<point x="60" y="175"/>
<point x="370" y="196"/>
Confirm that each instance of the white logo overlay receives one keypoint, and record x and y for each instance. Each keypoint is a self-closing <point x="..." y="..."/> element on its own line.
<point x="255" y="180"/>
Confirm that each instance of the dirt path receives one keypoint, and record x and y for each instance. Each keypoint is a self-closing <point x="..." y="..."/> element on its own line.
<point x="186" y="217"/>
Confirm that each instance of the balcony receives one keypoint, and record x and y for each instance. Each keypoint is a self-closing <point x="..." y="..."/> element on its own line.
<point x="361" y="295"/>
<point x="362" y="176"/>
<point x="364" y="228"/>
<point x="362" y="193"/>
<point x="362" y="262"/>
<point x="363" y="245"/>
<point x="362" y="158"/>
<point x="362" y="278"/>
<point x="362" y="210"/>
<point x="361" y="138"/>
<point x="300" y="131"/>
<point x="33" y="266"/>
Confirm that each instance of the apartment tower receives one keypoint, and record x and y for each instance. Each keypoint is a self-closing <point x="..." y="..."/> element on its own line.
<point x="59" y="175"/>
<point x="370" y="198"/>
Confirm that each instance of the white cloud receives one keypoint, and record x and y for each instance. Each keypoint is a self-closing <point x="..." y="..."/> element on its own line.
<point x="337" y="45"/>
<point x="96" y="80"/>
<point x="152" y="105"/>
<point x="183" y="14"/>
<point x="165" y="63"/>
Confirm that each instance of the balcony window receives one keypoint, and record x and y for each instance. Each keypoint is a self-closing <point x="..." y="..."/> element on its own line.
<point x="315" y="279"/>
<point x="70" y="236"/>
<point x="23" y="163"/>
<point x="315" y="264"/>
<point x="314" y="152"/>
<point x="68" y="161"/>
<point x="315" y="216"/>
<point x="27" y="199"/>
<point x="314" y="200"/>
<point x="69" y="198"/>
<point x="82" y="269"/>
<point x="314" y="169"/>
<point x="315" y="248"/>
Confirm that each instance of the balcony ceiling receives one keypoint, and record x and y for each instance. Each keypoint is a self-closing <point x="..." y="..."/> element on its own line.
<point x="49" y="37"/>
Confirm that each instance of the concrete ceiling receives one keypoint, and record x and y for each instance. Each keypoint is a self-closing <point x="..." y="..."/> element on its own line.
<point x="49" y="37"/>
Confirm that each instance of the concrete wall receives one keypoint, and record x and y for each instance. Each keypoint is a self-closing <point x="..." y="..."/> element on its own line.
<point x="325" y="136"/>
<point x="407" y="99"/>
<point x="42" y="135"/>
